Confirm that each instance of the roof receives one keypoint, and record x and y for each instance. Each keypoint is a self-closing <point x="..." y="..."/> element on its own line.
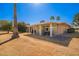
<point x="52" y="23"/>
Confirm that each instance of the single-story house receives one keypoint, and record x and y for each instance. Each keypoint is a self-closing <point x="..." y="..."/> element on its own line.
<point x="49" y="27"/>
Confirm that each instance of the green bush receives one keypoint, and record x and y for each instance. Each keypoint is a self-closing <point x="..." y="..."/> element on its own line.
<point x="7" y="26"/>
<point x="21" y="27"/>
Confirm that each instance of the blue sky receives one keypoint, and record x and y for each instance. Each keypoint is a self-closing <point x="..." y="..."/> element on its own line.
<point x="33" y="13"/>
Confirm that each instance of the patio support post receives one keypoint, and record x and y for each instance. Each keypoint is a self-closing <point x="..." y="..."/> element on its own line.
<point x="33" y="30"/>
<point x="51" y="30"/>
<point x="40" y="30"/>
<point x="29" y="29"/>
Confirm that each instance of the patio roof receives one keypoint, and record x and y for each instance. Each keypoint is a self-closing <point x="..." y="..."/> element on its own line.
<point x="52" y="23"/>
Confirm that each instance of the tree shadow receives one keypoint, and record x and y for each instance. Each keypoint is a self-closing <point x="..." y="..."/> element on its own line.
<point x="62" y="39"/>
<point x="10" y="39"/>
<point x="3" y="33"/>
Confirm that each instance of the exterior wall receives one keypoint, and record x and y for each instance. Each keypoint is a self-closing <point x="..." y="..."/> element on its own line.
<point x="55" y="28"/>
<point x="62" y="28"/>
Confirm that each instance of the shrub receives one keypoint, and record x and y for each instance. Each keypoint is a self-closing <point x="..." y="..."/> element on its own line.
<point x="7" y="26"/>
<point x="21" y="27"/>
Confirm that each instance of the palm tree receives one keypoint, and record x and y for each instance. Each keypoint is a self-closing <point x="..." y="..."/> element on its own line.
<point x="15" y="27"/>
<point x="58" y="18"/>
<point x="52" y="18"/>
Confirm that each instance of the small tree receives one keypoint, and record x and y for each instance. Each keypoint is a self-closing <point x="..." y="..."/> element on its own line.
<point x="5" y="25"/>
<point x="52" y="18"/>
<point x="58" y="18"/>
<point x="21" y="27"/>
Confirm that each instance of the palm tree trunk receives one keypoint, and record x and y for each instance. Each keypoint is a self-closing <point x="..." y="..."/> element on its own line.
<point x="15" y="27"/>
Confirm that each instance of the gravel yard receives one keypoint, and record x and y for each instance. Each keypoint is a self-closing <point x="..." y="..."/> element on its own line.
<point x="29" y="46"/>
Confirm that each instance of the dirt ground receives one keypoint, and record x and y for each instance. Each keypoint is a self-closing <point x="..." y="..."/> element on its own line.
<point x="29" y="46"/>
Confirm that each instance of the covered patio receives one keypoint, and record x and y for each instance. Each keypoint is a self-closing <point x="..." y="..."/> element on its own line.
<point x="50" y="28"/>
